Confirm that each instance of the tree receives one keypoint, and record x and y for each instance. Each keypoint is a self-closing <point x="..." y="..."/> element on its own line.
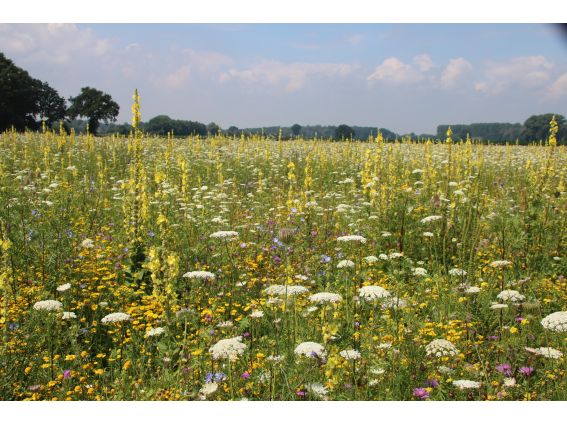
<point x="52" y="107"/>
<point x="95" y="106"/>
<point x="19" y="96"/>
<point x="343" y="131"/>
<point x="233" y="131"/>
<point x="536" y="128"/>
<point x="296" y="129"/>
<point x="213" y="128"/>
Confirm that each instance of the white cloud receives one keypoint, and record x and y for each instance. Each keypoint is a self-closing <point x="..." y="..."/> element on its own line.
<point x="355" y="39"/>
<point x="293" y="75"/>
<point x="423" y="62"/>
<point x="523" y="71"/>
<point x="392" y="70"/>
<point x="454" y="71"/>
<point x="559" y="87"/>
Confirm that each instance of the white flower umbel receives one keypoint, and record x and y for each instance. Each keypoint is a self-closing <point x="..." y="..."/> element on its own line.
<point x="283" y="290"/>
<point x="154" y="332"/>
<point x="465" y="384"/>
<point x="224" y="235"/>
<point x="208" y="389"/>
<point x="419" y="271"/>
<point x="345" y="264"/>
<point x="431" y="218"/>
<point x="229" y="348"/>
<point x="117" y="317"/>
<point x="201" y="275"/>
<point x="64" y="287"/>
<point x="67" y="315"/>
<point x="556" y="322"/>
<point x="318" y="390"/>
<point x="497" y="306"/>
<point x="499" y="264"/>
<point x="509" y="295"/>
<point x="310" y="349"/>
<point x="352" y="238"/>
<point x="547" y="352"/>
<point x="371" y="259"/>
<point x="48" y="305"/>
<point x="325" y="297"/>
<point x="457" y="272"/>
<point x="256" y="314"/>
<point x="441" y="348"/>
<point x="350" y="354"/>
<point x="373" y="293"/>
<point x="87" y="243"/>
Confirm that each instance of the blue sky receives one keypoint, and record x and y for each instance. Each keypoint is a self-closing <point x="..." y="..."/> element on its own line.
<point x="404" y="77"/>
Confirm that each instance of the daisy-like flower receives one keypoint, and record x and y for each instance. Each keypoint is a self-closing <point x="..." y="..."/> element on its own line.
<point x="154" y="332"/>
<point x="465" y="384"/>
<point x="556" y="322"/>
<point x="87" y="243"/>
<point x="310" y="349"/>
<point x="547" y="352"/>
<point x="48" y="305"/>
<point x="224" y="234"/>
<point x="202" y="275"/>
<point x="350" y="354"/>
<point x="498" y="264"/>
<point x="229" y="348"/>
<point x="352" y="238"/>
<point x="115" y="318"/>
<point x="344" y="264"/>
<point x="419" y="271"/>
<point x="431" y="218"/>
<point x="64" y="287"/>
<point x="373" y="293"/>
<point x="67" y="315"/>
<point x="511" y="296"/>
<point x="325" y="297"/>
<point x="441" y="348"/>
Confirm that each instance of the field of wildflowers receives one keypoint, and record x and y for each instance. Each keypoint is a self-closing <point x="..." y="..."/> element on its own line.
<point x="230" y="268"/>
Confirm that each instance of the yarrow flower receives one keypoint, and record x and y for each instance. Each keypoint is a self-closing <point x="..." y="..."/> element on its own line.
<point x="383" y="257"/>
<point x="427" y="234"/>
<point x="256" y="314"/>
<point x="318" y="390"/>
<point x="154" y="332"/>
<point x="496" y="306"/>
<point x="345" y="264"/>
<point x="87" y="243"/>
<point x="224" y="234"/>
<point x="352" y="238"/>
<point x="510" y="295"/>
<point x="229" y="348"/>
<point x="371" y="259"/>
<point x="465" y="384"/>
<point x="547" y="352"/>
<point x="115" y="318"/>
<point x="64" y="287"/>
<point x="310" y="349"/>
<point x="68" y="315"/>
<point x="441" y="348"/>
<point x="395" y="255"/>
<point x="202" y="275"/>
<point x="325" y="297"/>
<point x="498" y="264"/>
<point x="47" y="305"/>
<point x="556" y="322"/>
<point x="290" y="290"/>
<point x="372" y="293"/>
<point x="419" y="271"/>
<point x="471" y="290"/>
<point x="457" y="272"/>
<point x="431" y="218"/>
<point x="350" y="354"/>
<point x="208" y="389"/>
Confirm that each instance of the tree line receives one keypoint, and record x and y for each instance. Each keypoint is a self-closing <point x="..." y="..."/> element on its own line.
<point x="26" y="103"/>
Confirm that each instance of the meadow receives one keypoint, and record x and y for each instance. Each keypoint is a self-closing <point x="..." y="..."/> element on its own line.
<point x="230" y="268"/>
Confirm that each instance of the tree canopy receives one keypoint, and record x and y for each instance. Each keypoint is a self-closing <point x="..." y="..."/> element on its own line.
<point x="536" y="128"/>
<point x="343" y="131"/>
<point x="95" y="105"/>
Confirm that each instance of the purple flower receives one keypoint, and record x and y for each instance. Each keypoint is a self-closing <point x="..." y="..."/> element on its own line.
<point x="493" y="338"/>
<point x="433" y="383"/>
<point x="519" y="319"/>
<point x="505" y="369"/>
<point x="220" y="376"/>
<point x="422" y="393"/>
<point x="325" y="259"/>
<point x="67" y="374"/>
<point x="246" y="375"/>
<point x="313" y="233"/>
<point x="526" y="370"/>
<point x="246" y="334"/>
<point x="243" y="245"/>
<point x="300" y="393"/>
<point x="209" y="378"/>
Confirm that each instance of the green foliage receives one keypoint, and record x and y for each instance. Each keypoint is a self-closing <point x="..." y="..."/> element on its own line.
<point x="536" y="128"/>
<point x="162" y="124"/>
<point x="343" y="131"/>
<point x="296" y="129"/>
<point x="95" y="105"/>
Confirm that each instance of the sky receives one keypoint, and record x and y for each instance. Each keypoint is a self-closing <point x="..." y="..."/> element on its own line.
<point x="402" y="77"/>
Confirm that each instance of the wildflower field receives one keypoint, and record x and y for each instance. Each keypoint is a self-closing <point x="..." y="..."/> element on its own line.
<point x="229" y="268"/>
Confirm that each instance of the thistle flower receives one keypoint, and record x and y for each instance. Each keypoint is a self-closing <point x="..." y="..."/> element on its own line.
<point x="47" y="305"/>
<point x="556" y="322"/>
<point x="421" y="393"/>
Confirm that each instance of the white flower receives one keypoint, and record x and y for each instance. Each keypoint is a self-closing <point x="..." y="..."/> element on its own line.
<point x="274" y="359"/>
<point x="555" y="321"/>
<point x="350" y="354"/>
<point x="441" y="348"/>
<point x="310" y="349"/>
<point x="383" y="257"/>
<point x="291" y="290"/>
<point x="115" y="318"/>
<point x="64" y="287"/>
<point x="224" y="234"/>
<point x="394" y="302"/>
<point x="229" y="348"/>
<point x="498" y="264"/>
<point x="510" y="295"/>
<point x="417" y="171"/>
<point x="385" y="234"/>
<point x="464" y="384"/>
<point x="371" y="259"/>
<point x="384" y="346"/>
<point x="445" y="370"/>
<point x="154" y="332"/>
<point x="352" y="238"/>
<point x="395" y="255"/>
<point x="496" y="306"/>
<point x="256" y="314"/>
<point x="419" y="271"/>
<point x="378" y="371"/>
<point x="317" y="389"/>
<point x="345" y="264"/>
<point x="431" y="218"/>
<point x="325" y="297"/>
<point x="509" y="382"/>
<point x="227" y="324"/>
<point x="427" y="234"/>
<point x="547" y="352"/>
<point x="301" y="277"/>
<point x="372" y="293"/>
<point x="208" y="389"/>
<point x="457" y="272"/>
<point x="47" y="305"/>
<point x="203" y="275"/>
<point x="68" y="315"/>
<point x="471" y="290"/>
<point x="87" y="243"/>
